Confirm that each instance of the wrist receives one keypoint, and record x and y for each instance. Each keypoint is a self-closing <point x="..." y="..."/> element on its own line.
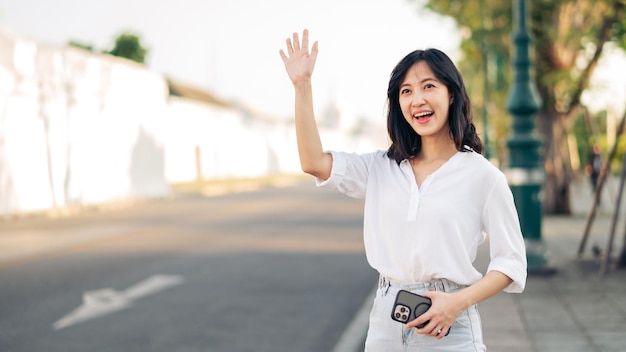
<point x="302" y="83"/>
<point x="464" y="301"/>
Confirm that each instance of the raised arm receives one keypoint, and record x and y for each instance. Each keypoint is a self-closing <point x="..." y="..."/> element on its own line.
<point x="299" y="63"/>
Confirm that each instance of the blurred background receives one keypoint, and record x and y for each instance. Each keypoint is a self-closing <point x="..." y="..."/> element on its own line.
<point x="111" y="101"/>
<point x="107" y="103"/>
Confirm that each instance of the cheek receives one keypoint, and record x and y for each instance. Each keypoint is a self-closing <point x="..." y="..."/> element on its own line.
<point x="405" y="107"/>
<point x="447" y="108"/>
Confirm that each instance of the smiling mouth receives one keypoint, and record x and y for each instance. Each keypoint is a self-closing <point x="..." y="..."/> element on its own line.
<point x="423" y="115"/>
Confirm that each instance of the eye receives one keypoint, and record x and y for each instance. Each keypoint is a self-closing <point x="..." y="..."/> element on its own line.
<point x="429" y="85"/>
<point x="405" y="91"/>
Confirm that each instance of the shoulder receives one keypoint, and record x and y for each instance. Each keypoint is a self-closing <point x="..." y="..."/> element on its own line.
<point x="481" y="167"/>
<point x="477" y="159"/>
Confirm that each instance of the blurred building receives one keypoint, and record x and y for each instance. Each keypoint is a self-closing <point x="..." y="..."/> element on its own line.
<point x="79" y="129"/>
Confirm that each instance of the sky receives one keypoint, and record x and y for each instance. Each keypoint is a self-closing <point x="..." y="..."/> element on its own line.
<point x="230" y="47"/>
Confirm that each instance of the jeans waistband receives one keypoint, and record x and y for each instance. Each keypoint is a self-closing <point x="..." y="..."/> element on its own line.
<point x="443" y="285"/>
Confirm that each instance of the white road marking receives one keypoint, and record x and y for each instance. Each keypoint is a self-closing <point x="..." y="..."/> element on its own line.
<point x="106" y="301"/>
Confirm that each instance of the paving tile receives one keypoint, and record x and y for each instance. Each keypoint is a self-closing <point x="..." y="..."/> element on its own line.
<point x="561" y="341"/>
<point x="577" y="308"/>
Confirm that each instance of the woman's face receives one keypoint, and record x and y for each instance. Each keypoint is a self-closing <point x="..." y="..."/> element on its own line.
<point x="425" y="102"/>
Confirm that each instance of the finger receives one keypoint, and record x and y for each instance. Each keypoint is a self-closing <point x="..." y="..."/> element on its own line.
<point x="305" y="40"/>
<point x="441" y="333"/>
<point x="429" y="294"/>
<point x="314" y="51"/>
<point x="438" y="335"/>
<point x="425" y="330"/>
<point x="282" y="55"/>
<point x="296" y="42"/>
<point x="289" y="46"/>
<point x="430" y="328"/>
<point x="414" y="324"/>
<point x="422" y="319"/>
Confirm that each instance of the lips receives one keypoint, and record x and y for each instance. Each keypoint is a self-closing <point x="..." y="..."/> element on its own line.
<point x="423" y="117"/>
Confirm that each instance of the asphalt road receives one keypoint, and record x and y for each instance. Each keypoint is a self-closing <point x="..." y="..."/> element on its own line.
<point x="278" y="269"/>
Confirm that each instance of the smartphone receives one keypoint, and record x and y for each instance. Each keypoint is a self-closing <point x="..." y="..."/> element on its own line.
<point x="408" y="306"/>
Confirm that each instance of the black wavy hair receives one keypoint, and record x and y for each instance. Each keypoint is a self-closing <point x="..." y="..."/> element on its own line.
<point x="405" y="142"/>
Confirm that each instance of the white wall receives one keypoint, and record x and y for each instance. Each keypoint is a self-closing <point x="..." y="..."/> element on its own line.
<point x="77" y="128"/>
<point x="81" y="129"/>
<point x="226" y="144"/>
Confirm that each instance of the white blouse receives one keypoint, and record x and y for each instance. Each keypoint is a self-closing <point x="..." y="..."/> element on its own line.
<point x="416" y="234"/>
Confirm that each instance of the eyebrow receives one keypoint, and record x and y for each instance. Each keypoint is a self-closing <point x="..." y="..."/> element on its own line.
<point x="427" y="79"/>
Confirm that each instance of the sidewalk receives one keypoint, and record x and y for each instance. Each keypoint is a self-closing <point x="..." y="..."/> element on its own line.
<point x="575" y="309"/>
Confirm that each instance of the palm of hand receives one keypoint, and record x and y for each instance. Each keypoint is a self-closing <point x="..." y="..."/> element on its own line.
<point x="299" y="63"/>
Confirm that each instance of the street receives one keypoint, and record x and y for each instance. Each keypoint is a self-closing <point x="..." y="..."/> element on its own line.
<point x="278" y="269"/>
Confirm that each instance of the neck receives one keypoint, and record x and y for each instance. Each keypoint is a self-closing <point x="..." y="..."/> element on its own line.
<point x="438" y="148"/>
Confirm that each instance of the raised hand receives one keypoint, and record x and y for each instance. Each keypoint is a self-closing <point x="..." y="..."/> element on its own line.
<point x="299" y="62"/>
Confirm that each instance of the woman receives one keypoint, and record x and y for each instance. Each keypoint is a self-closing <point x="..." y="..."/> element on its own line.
<point x="430" y="200"/>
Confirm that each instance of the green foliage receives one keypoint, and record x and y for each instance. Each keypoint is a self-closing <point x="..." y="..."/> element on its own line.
<point x="79" y="45"/>
<point x="589" y="131"/>
<point x="568" y="38"/>
<point x="586" y="129"/>
<point x="565" y="33"/>
<point x="128" y="45"/>
<point x="485" y="26"/>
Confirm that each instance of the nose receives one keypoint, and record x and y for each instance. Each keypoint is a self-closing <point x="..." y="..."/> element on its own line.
<point x="418" y="98"/>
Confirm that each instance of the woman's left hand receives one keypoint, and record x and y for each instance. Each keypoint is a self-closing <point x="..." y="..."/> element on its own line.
<point x="443" y="312"/>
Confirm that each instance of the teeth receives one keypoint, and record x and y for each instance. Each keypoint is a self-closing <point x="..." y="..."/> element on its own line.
<point x="422" y="114"/>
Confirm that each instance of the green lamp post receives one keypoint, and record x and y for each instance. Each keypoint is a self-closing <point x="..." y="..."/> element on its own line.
<point x="525" y="172"/>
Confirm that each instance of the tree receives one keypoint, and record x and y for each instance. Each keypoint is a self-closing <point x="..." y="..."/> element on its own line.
<point x="128" y="45"/>
<point x="80" y="45"/>
<point x="568" y="40"/>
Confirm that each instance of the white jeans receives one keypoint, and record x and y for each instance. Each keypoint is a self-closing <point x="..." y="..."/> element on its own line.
<point x="385" y="334"/>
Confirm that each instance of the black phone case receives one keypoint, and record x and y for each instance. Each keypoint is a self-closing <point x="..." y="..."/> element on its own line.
<point x="408" y="306"/>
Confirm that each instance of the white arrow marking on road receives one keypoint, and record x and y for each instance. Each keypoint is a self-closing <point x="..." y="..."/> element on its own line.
<point x="106" y="301"/>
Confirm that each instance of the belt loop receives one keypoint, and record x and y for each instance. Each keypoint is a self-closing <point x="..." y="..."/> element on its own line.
<point x="384" y="283"/>
<point x="442" y="285"/>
